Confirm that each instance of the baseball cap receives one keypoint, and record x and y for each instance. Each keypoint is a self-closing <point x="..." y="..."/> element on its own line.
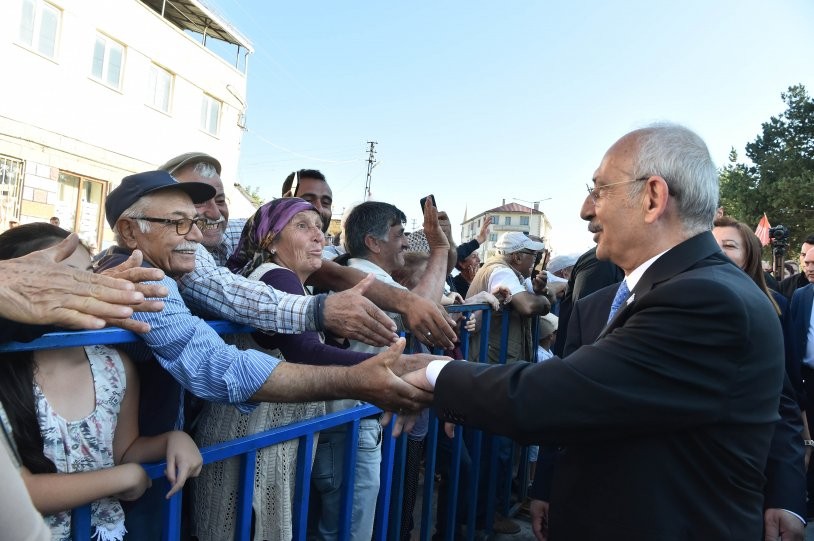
<point x="134" y="187"/>
<point x="548" y="324"/>
<point x="562" y="262"/>
<point x="182" y="160"/>
<point x="514" y="241"/>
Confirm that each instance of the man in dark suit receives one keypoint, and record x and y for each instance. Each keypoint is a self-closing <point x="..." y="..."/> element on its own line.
<point x="669" y="415"/>
<point x="589" y="275"/>
<point x="785" y="490"/>
<point x="801" y="348"/>
<point x="794" y="282"/>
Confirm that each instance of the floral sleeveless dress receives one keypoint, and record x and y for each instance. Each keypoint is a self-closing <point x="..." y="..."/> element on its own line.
<point x="87" y="444"/>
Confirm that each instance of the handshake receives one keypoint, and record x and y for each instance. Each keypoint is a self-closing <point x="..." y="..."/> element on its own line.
<point x="396" y="383"/>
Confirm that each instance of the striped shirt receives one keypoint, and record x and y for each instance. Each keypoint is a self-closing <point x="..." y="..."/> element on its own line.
<point x="198" y="358"/>
<point x="213" y="291"/>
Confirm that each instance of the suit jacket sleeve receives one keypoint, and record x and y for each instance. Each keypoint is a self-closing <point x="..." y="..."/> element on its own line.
<point x="785" y="468"/>
<point x="683" y="350"/>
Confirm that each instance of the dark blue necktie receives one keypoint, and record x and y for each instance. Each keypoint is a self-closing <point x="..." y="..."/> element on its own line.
<point x="620" y="297"/>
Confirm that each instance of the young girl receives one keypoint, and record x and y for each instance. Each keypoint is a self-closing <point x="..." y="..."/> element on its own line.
<point x="73" y="414"/>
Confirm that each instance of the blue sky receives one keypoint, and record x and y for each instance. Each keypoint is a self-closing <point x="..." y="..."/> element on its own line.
<point x="479" y="101"/>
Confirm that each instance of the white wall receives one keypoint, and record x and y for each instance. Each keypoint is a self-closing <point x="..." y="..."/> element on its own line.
<point x="53" y="114"/>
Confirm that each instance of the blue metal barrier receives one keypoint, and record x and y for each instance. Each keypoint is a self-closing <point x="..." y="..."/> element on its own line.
<point x="393" y="459"/>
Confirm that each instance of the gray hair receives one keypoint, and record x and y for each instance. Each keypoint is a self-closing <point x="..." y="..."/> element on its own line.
<point x="134" y="211"/>
<point x="682" y="159"/>
<point x="205" y="170"/>
<point x="369" y="218"/>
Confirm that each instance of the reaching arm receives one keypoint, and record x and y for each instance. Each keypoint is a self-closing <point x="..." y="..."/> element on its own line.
<point x="420" y="315"/>
<point x="39" y="289"/>
<point x="305" y="348"/>
<point x="193" y="353"/>
<point x="529" y="304"/>
<point x="452" y="250"/>
<point x="372" y="381"/>
<point x="215" y="291"/>
<point x="484" y="230"/>
<point x="55" y="492"/>
<point x="431" y="284"/>
<point x="177" y="448"/>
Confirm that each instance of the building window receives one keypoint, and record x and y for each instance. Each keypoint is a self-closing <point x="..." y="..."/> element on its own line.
<point x="108" y="61"/>
<point x="507" y="220"/>
<point x="210" y="114"/>
<point x="11" y="186"/>
<point x="524" y="220"/>
<point x="79" y="205"/>
<point x="493" y="237"/>
<point x="159" y="91"/>
<point x="494" y="219"/>
<point x="39" y="24"/>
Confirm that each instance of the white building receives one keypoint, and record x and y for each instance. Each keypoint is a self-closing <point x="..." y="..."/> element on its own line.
<point x="506" y="217"/>
<point x="98" y="89"/>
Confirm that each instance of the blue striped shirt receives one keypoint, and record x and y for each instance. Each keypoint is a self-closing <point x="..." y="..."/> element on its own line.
<point x="199" y="359"/>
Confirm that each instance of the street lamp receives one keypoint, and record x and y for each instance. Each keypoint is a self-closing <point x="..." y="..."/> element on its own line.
<point x="531" y="212"/>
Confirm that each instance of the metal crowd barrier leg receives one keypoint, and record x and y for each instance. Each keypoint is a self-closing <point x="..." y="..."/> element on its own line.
<point x="429" y="479"/>
<point x="302" y="489"/>
<point x="245" y="492"/>
<point x="349" y="467"/>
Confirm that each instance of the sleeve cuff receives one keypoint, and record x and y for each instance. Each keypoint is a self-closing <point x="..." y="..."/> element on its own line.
<point x="433" y="370"/>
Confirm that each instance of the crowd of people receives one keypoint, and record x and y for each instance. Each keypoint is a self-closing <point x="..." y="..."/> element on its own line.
<point x="661" y="376"/>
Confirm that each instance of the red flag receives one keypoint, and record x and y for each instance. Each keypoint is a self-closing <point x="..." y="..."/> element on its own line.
<point x="762" y="230"/>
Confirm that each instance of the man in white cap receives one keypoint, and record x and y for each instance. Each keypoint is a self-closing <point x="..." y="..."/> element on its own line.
<point x="509" y="268"/>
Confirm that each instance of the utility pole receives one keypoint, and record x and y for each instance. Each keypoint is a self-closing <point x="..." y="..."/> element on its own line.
<point x="371" y="163"/>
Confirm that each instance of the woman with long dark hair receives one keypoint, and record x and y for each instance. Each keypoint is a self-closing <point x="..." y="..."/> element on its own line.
<point x="73" y="417"/>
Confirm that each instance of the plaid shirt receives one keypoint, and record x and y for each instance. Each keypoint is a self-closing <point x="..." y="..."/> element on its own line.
<point x="213" y="290"/>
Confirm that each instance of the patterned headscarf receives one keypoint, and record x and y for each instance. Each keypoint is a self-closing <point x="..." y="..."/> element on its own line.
<point x="261" y="229"/>
<point x="417" y="242"/>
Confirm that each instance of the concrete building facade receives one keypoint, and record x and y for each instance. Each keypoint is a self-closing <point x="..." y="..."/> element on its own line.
<point x="106" y="88"/>
<point x="506" y="217"/>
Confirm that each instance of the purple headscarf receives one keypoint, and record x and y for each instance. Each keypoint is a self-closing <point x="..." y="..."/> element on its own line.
<point x="261" y="229"/>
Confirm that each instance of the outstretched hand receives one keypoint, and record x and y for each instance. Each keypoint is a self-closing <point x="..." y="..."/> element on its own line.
<point x="781" y="524"/>
<point x="377" y="383"/>
<point x="434" y="225"/>
<point x="37" y="288"/>
<point x="431" y="325"/>
<point x="349" y="314"/>
<point x="132" y="271"/>
<point x="538" y="510"/>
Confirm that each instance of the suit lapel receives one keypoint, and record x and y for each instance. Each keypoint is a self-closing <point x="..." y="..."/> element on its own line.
<point x="675" y="261"/>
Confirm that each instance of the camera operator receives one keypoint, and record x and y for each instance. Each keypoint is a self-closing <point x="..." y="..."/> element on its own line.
<point x="789" y="285"/>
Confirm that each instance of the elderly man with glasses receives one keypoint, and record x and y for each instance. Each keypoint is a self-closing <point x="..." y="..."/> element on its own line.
<point x="154" y="213"/>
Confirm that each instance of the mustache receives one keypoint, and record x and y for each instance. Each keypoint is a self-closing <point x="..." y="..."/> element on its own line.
<point x="186" y="246"/>
<point x="594" y="228"/>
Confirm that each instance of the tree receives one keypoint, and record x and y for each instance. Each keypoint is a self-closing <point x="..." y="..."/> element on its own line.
<point x="780" y="179"/>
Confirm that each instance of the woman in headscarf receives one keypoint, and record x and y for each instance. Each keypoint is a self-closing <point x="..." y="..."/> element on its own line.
<point x="281" y="245"/>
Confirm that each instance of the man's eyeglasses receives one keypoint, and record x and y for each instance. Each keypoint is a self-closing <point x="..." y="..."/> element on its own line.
<point x="529" y="252"/>
<point x="182" y="225"/>
<point x="596" y="191"/>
